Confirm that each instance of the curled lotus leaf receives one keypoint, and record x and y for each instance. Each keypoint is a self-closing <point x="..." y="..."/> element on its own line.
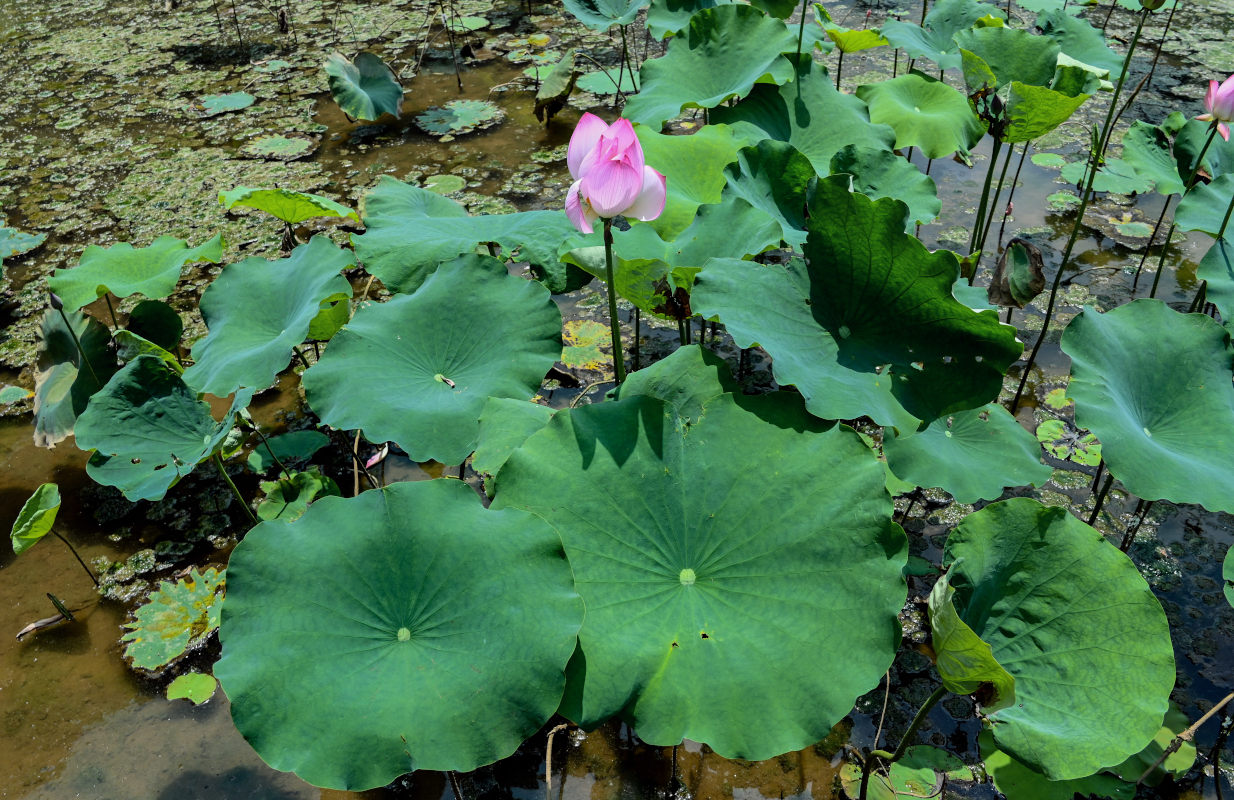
<point x="1062" y="610"/>
<point x="36" y="517"/>
<point x="63" y="382"/>
<point x="123" y="270"/>
<point x="365" y="88"/>
<point x="291" y="207"/>
<point x="178" y="617"/>
<point x="405" y="628"/>
<point x="600" y="15"/>
<point x="881" y="173"/>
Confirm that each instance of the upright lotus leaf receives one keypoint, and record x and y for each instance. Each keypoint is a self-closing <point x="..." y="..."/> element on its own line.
<point x="934" y="40"/>
<point x="685" y="380"/>
<point x="868" y="326"/>
<point x="693" y="168"/>
<point x="1011" y="54"/>
<point x="668" y="17"/>
<point x="293" y="445"/>
<point x="129" y="346"/>
<point x="881" y="173"/>
<point x="150" y="429"/>
<point x="36" y="517"/>
<point x="177" y="618"/>
<point x="63" y="383"/>
<point x="411" y="230"/>
<point x="721" y="54"/>
<point x="600" y="15"/>
<point x="258" y="310"/>
<point x="1204" y="208"/>
<point x="1017" y="781"/>
<point x="773" y="177"/>
<point x="1033" y="111"/>
<point x="924" y="113"/>
<point x="1148" y="150"/>
<point x="157" y="323"/>
<point x="124" y="270"/>
<point x="973" y="455"/>
<point x="291" y="207"/>
<point x="365" y="88"/>
<point x="1019" y="276"/>
<point x="1189" y="143"/>
<point x="505" y="423"/>
<point x="556" y="88"/>
<point x="1063" y="610"/>
<point x="809" y="114"/>
<point x="1154" y="386"/>
<point x="1079" y="40"/>
<point x="331" y="317"/>
<point x="418" y="369"/>
<point x="719" y="607"/>
<point x="288" y="498"/>
<point x="964" y="661"/>
<point x="847" y="39"/>
<point x="1217" y="267"/>
<point x="405" y="628"/>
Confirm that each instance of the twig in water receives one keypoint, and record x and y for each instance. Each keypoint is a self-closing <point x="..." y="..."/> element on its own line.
<point x="1185" y="736"/>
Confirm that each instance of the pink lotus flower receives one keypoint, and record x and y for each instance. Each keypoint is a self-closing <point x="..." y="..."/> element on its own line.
<point x="610" y="178"/>
<point x="1220" y="104"/>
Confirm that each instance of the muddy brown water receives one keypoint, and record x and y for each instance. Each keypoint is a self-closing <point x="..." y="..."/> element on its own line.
<point x="75" y="722"/>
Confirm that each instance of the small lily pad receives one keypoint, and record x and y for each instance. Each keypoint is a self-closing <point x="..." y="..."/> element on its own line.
<point x="1048" y="160"/>
<point x="177" y="618"/>
<point x="14" y="242"/>
<point x="582" y="339"/>
<point x="444" y="184"/>
<point x="460" y="116"/>
<point x="197" y="687"/>
<point x="212" y="105"/>
<point x="13" y="394"/>
<point x="1062" y="441"/>
<point x="280" y="148"/>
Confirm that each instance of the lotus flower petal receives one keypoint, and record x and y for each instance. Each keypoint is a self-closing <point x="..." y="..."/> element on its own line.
<point x="579" y="211"/>
<point x="650" y="201"/>
<point x="584" y="139"/>
<point x="612" y="186"/>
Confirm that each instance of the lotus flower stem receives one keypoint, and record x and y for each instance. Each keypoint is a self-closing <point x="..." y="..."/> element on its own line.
<point x="1195" y="171"/>
<point x="619" y="368"/>
<point x="111" y="311"/>
<point x="1093" y="161"/>
<point x="1129" y="536"/>
<point x="1152" y="238"/>
<point x="451" y="774"/>
<point x="248" y="512"/>
<point x="981" y="206"/>
<point x="1105" y="489"/>
<point x="989" y="219"/>
<point x="1011" y="195"/>
<point x="56" y="304"/>
<point x="638" y="319"/>
<point x="625" y="57"/>
<point x="801" y="30"/>
<point x="73" y="550"/>
<point x="1108" y="126"/>
<point x="891" y="758"/>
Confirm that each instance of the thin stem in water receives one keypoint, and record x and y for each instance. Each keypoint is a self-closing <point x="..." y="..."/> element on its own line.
<point x="1105" y="489"/>
<point x="1195" y="171"/>
<point x="248" y="512"/>
<point x="73" y="550"/>
<point x="985" y="199"/>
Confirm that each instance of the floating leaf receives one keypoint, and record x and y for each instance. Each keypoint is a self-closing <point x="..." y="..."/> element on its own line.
<point x="1064" y="442"/>
<point x="63" y="383"/>
<point x="722" y="54"/>
<point x="1115" y="176"/>
<point x="605" y="82"/>
<point x="10" y="394"/>
<point x="36" y="517"/>
<point x="973" y="455"/>
<point x="124" y="270"/>
<point x="600" y="15"/>
<point x="288" y="498"/>
<point x="212" y="105"/>
<point x="1018" y="781"/>
<point x="1062" y="609"/>
<point x="1019" y="276"/>
<point x="280" y="148"/>
<point x="881" y="173"/>
<point x="687" y="591"/>
<point x="177" y="618"/>
<point x="150" y="429"/>
<point x="258" y="310"/>
<point x="460" y="116"/>
<point x="418" y="369"/>
<point x="15" y="243"/>
<point x="1155" y="386"/>
<point x="196" y="687"/>
<point x="924" y="113"/>
<point x="933" y="40"/>
<point x="291" y="207"/>
<point x="429" y="631"/>
<point x="581" y="342"/>
<point x="292" y="445"/>
<point x="364" y="89"/>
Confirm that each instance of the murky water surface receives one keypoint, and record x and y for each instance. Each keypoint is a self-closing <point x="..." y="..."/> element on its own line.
<point x="98" y="144"/>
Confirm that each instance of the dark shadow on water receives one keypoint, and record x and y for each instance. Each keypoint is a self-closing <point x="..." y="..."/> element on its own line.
<point x="238" y="783"/>
<point x="213" y="54"/>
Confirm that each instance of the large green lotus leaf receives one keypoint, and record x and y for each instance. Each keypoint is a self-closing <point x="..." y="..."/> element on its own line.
<point x="505" y="424"/>
<point x="150" y="429"/>
<point x="1154" y="386"/>
<point x="1217" y="267"/>
<point x="869" y="326"/>
<point x="924" y="113"/>
<point x="881" y="173"/>
<point x="667" y="17"/>
<point x="418" y="369"/>
<point x="964" y="661"/>
<point x="1079" y="40"/>
<point x="1063" y="610"/>
<point x="934" y="41"/>
<point x="1189" y="143"/>
<point x="1011" y="54"/>
<point x="1034" y="111"/>
<point x="365" y="88"/>
<point x="693" y="168"/>
<point x="178" y="617"/>
<point x="258" y="310"/>
<point x="411" y="230"/>
<point x="36" y="517"/>
<point x="685" y="381"/>
<point x="406" y="628"/>
<point x="63" y="385"/>
<point x="972" y="454"/>
<point x="1017" y="781"/>
<point x="809" y="114"/>
<point x="124" y="270"/>
<point x="1148" y="150"/>
<point x="1204" y="208"/>
<point x="697" y="549"/>
<point x="600" y="15"/>
<point x="721" y="54"/>
<point x="291" y="207"/>
<point x="773" y="177"/>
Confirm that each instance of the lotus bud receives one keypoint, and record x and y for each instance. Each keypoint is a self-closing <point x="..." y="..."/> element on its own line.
<point x="610" y="177"/>
<point x="55" y="300"/>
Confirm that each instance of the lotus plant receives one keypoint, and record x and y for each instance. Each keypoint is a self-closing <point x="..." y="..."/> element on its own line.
<point x="610" y="179"/>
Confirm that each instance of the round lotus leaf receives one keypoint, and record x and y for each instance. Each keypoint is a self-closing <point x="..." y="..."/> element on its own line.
<point x="924" y="113"/>
<point x="879" y="172"/>
<point x="196" y="687"/>
<point x="405" y="628"/>
<point x="258" y="310"/>
<point x="364" y="89"/>
<point x="15" y="243"/>
<point x="211" y="105"/>
<point x="445" y="184"/>
<point x="460" y="116"/>
<point x="36" y="517"/>
<point x="291" y="207"/>
<point x="722" y="53"/>
<point x="1063" y="610"/>
<point x="971" y="454"/>
<point x="124" y="270"/>
<point x="418" y="369"/>
<point x="1018" y="781"/>
<point x="933" y="40"/>
<point x="1007" y="54"/>
<point x="280" y="148"/>
<point x="1155" y="387"/>
<point x="740" y="570"/>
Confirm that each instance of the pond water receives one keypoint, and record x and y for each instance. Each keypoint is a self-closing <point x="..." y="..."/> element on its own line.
<point x="98" y="144"/>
